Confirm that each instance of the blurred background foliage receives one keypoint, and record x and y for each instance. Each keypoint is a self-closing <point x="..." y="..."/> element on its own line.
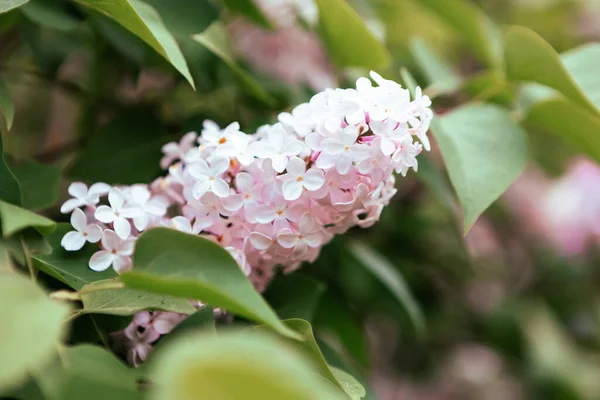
<point x="410" y="306"/>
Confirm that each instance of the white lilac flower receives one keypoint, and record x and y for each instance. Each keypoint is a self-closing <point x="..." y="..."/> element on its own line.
<point x="116" y="253"/>
<point x="118" y="213"/>
<point x="83" y="232"/>
<point x="84" y="197"/>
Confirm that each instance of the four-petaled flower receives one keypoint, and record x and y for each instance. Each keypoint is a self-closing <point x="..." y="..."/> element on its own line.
<point x="83" y="232"/>
<point x="298" y="178"/>
<point x="83" y="196"/>
<point x="116" y="252"/>
<point x="118" y="213"/>
<point x="208" y="178"/>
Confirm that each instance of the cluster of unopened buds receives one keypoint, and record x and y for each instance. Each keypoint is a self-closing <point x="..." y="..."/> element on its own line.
<point x="273" y="198"/>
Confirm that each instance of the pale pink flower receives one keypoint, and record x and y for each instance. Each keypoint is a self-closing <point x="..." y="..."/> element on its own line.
<point x="116" y="252"/>
<point x="118" y="213"/>
<point x="83" y="232"/>
<point x="298" y="178"/>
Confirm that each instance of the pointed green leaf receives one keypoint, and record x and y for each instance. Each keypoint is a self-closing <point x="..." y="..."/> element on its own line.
<point x="101" y="297"/>
<point x="236" y="366"/>
<point x="484" y="151"/>
<point x="143" y="21"/>
<point x="351" y="386"/>
<point x="10" y="191"/>
<point x="69" y="267"/>
<point x="14" y="219"/>
<point x="7" y="106"/>
<point x="39" y="183"/>
<point x="215" y="39"/>
<point x="177" y="264"/>
<point x="88" y="372"/>
<point x="32" y="328"/>
<point x="474" y="25"/>
<point x="581" y="62"/>
<point x="295" y="296"/>
<point x="530" y="58"/>
<point x="441" y="76"/>
<point x="349" y="42"/>
<point x="49" y="14"/>
<point x="569" y="121"/>
<point x="389" y="275"/>
<point x="7" y="5"/>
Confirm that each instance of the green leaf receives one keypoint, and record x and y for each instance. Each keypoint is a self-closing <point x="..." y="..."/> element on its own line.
<point x="7" y="5"/>
<point x="50" y="15"/>
<point x="15" y="218"/>
<point x="235" y="366"/>
<point x="351" y="386"/>
<point x="88" y="372"/>
<point x="440" y="75"/>
<point x="101" y="297"/>
<point x="389" y="276"/>
<point x="335" y="316"/>
<point x="568" y="121"/>
<point x="249" y="10"/>
<point x="349" y="42"/>
<point x="530" y="58"/>
<point x="7" y="106"/>
<point x="174" y="263"/>
<point x="476" y="28"/>
<point x="484" y="151"/>
<point x="10" y="191"/>
<point x="409" y="81"/>
<point x="579" y="62"/>
<point x="185" y="18"/>
<point x="143" y="21"/>
<point x="109" y="155"/>
<point x="33" y="325"/>
<point x="295" y="296"/>
<point x="215" y="39"/>
<point x="39" y="183"/>
<point x="69" y="267"/>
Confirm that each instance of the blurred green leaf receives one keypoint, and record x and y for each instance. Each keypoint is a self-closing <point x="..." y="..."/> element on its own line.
<point x="554" y="355"/>
<point x="215" y="39"/>
<point x="234" y="366"/>
<point x="484" y="151"/>
<point x="389" y="276"/>
<point x="334" y="316"/>
<point x="295" y="296"/>
<point x="15" y="218"/>
<point x="101" y="297"/>
<point x="88" y="372"/>
<point x="351" y="386"/>
<point x="125" y="151"/>
<point x="175" y="263"/>
<point x="476" y="28"/>
<point x="249" y="10"/>
<point x="409" y="81"/>
<point x="69" y="267"/>
<point x="10" y="191"/>
<point x="580" y="63"/>
<point x="143" y="21"/>
<point x="437" y="182"/>
<point x="32" y="327"/>
<point x="39" y="183"/>
<point x="7" y="5"/>
<point x="441" y="76"/>
<point x="530" y="58"/>
<point x="349" y="41"/>
<point x="569" y="121"/>
<point x="49" y="14"/>
<point x="185" y="18"/>
<point x="7" y="107"/>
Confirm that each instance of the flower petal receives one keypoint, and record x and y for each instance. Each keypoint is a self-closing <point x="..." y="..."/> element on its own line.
<point x="220" y="187"/>
<point x="296" y="166"/>
<point x="122" y="227"/>
<point x="121" y="264"/>
<point x="99" y="189"/>
<point x="287" y="239"/>
<point x="78" y="220"/>
<point x="94" y="233"/>
<point x="200" y="188"/>
<point x="70" y="205"/>
<point x="105" y="214"/>
<point x="292" y="189"/>
<point x="260" y="241"/>
<point x="78" y="190"/>
<point x="314" y="179"/>
<point x="116" y="199"/>
<point x="73" y="241"/>
<point x="101" y="260"/>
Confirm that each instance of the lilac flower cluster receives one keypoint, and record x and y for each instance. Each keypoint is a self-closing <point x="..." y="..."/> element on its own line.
<point x="273" y="198"/>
